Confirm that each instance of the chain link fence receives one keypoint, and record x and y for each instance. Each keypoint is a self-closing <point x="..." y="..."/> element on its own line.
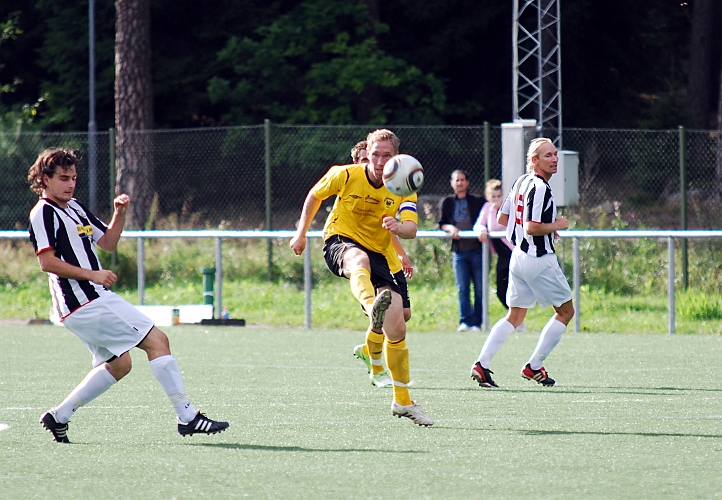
<point x="221" y="177"/>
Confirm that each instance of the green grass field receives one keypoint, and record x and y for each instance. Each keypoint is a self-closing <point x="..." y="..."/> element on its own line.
<point x="632" y="416"/>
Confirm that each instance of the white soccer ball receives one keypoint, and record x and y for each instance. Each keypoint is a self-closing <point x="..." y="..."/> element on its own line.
<point x="403" y="175"/>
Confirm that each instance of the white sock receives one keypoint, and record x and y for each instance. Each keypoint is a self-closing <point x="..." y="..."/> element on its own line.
<point x="549" y="338"/>
<point x="95" y="383"/>
<point x="497" y="336"/>
<point x="166" y="371"/>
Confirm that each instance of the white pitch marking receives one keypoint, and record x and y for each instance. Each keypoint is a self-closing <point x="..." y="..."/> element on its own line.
<point x="4" y="427"/>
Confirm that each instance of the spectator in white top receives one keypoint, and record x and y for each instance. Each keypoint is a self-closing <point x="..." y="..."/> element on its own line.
<point x="499" y="246"/>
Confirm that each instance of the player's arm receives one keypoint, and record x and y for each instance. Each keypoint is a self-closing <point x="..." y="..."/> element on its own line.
<point x="406" y="266"/>
<point x="310" y="208"/>
<point x="49" y="263"/>
<point x="109" y="241"/>
<point x="404" y="229"/>
<point x="540" y="229"/>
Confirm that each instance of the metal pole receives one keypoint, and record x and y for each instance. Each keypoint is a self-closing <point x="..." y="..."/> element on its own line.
<point x="577" y="285"/>
<point x="141" y="271"/>
<point x="670" y="285"/>
<point x="487" y="153"/>
<point x="307" y="283"/>
<point x="485" y="285"/>
<point x="515" y="62"/>
<point x="269" y="219"/>
<point x="683" y="200"/>
<point x="111" y="181"/>
<point x="92" y="127"/>
<point x="219" y="279"/>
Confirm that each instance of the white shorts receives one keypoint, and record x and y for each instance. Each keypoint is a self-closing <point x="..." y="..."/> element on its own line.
<point x="108" y="326"/>
<point x="536" y="279"/>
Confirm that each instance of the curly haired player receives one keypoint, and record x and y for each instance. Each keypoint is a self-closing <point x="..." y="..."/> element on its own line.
<point x="64" y="234"/>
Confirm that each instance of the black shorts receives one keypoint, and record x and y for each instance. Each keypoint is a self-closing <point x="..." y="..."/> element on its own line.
<point x="334" y="248"/>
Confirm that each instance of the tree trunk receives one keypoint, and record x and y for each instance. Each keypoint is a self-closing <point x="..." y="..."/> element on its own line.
<point x="133" y="107"/>
<point x="699" y="86"/>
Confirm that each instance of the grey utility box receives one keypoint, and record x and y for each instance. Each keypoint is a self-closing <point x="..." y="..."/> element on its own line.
<point x="515" y="139"/>
<point x="565" y="183"/>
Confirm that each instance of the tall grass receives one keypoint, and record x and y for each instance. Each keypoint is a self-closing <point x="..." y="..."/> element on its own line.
<point x="623" y="283"/>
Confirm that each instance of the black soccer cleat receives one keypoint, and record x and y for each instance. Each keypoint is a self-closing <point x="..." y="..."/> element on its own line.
<point x="201" y="424"/>
<point x="539" y="375"/>
<point x="482" y="375"/>
<point x="58" y="430"/>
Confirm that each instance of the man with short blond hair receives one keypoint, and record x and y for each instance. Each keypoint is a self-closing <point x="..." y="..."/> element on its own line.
<point x="357" y="235"/>
<point x="530" y="216"/>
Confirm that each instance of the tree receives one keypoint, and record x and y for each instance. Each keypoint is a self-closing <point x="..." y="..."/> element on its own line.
<point x="699" y="83"/>
<point x="317" y="64"/>
<point x="133" y="107"/>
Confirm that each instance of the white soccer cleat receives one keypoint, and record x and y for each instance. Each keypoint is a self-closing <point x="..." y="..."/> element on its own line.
<point x="412" y="412"/>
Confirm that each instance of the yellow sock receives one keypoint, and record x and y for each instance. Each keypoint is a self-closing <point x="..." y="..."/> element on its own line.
<point x="397" y="360"/>
<point x="362" y="288"/>
<point x="374" y="350"/>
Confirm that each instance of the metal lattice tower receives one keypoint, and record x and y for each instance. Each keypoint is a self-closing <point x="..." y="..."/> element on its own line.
<point x="538" y="66"/>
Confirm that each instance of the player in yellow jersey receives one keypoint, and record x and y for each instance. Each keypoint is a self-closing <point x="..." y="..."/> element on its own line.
<point x="371" y="351"/>
<point x="357" y="237"/>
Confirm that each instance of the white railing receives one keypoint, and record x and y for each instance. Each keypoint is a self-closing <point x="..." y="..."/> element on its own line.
<point x="220" y="235"/>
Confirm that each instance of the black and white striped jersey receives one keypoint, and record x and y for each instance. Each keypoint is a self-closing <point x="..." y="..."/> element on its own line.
<point x="72" y="234"/>
<point x="530" y="199"/>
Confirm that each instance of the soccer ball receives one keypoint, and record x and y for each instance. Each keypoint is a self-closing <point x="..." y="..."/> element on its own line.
<point x="403" y="175"/>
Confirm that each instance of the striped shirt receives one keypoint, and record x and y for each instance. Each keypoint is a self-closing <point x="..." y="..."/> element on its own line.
<point x="531" y="199"/>
<point x="72" y="234"/>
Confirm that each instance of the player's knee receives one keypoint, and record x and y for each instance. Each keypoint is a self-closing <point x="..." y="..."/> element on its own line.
<point x="120" y="366"/>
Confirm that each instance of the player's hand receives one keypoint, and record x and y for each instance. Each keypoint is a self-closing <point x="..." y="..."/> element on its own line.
<point x="562" y="223"/>
<point x="483" y="235"/>
<point x="390" y="224"/>
<point x="298" y="243"/>
<point x="104" y="277"/>
<point x="406" y="266"/>
<point x="121" y="204"/>
<point x="454" y="233"/>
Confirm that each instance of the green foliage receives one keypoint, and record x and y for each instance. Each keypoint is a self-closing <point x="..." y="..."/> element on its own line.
<point x="699" y="307"/>
<point x="623" y="290"/>
<point x="329" y="51"/>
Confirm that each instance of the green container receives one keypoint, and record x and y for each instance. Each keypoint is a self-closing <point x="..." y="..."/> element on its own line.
<point x="209" y="280"/>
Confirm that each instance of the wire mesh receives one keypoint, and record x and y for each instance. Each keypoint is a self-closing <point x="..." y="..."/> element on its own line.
<point x="217" y="177"/>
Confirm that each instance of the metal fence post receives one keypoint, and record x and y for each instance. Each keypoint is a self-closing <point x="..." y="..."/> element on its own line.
<point x="485" y="285"/>
<point x="141" y="271"/>
<point x="307" y="282"/>
<point x="577" y="284"/>
<point x="683" y="199"/>
<point x="487" y="153"/>
<point x="111" y="182"/>
<point x="219" y="279"/>
<point x="670" y="288"/>
<point x="269" y="218"/>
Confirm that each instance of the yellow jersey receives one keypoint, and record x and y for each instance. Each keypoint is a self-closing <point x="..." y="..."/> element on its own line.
<point x="360" y="208"/>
